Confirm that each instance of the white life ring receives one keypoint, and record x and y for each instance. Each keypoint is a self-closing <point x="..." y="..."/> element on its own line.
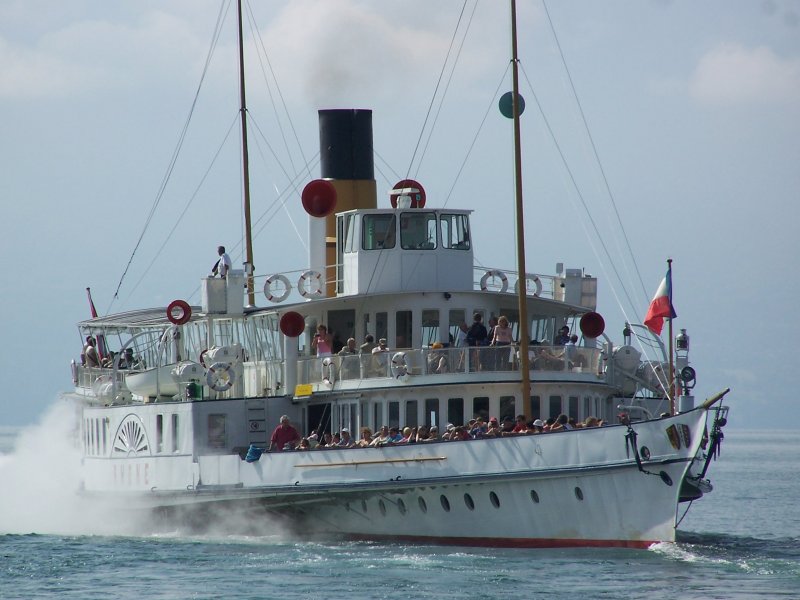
<point x="310" y="284"/>
<point x="328" y="370"/>
<point x="220" y="376"/>
<point x="492" y="274"/>
<point x="399" y="366"/>
<point x="270" y="294"/>
<point x="534" y="279"/>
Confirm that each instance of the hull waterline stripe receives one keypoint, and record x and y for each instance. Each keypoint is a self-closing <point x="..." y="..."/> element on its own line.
<point x="504" y="542"/>
<point x="373" y="462"/>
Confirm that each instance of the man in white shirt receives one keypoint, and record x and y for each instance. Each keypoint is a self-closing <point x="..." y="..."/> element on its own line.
<point x="223" y="265"/>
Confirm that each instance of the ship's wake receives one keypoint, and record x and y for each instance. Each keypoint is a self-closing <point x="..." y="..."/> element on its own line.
<point x="42" y="493"/>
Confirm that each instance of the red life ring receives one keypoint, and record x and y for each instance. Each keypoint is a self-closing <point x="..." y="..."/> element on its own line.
<point x="179" y="312"/>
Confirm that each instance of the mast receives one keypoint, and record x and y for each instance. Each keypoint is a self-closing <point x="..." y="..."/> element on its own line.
<point x="522" y="294"/>
<point x="251" y="297"/>
<point x="671" y="351"/>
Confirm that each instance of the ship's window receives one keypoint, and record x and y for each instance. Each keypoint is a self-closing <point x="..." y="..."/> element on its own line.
<point x="455" y="231"/>
<point x="480" y="408"/>
<point x="418" y="230"/>
<point x="422" y="506"/>
<point x="378" y="415"/>
<point x="411" y="414"/>
<point x="555" y="406"/>
<point x="494" y="499"/>
<point x="401" y="506"/>
<point x="579" y="493"/>
<point x="542" y="330"/>
<point x="573" y="407"/>
<point x="394" y="414"/>
<point x="469" y="502"/>
<point x="381" y="326"/>
<point x="348" y="234"/>
<point x="430" y="327"/>
<point x="216" y="431"/>
<point x="97" y="436"/>
<point x="534" y="497"/>
<point x="507" y="404"/>
<point x="536" y="407"/>
<point x="402" y="319"/>
<point x="174" y="432"/>
<point x="455" y="411"/>
<point x="378" y="232"/>
<point x="454" y="319"/>
<point x="159" y="433"/>
<point x="431" y="412"/>
<point x="445" y="502"/>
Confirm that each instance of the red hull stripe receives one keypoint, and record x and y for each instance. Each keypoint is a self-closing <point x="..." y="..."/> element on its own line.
<point x="500" y="542"/>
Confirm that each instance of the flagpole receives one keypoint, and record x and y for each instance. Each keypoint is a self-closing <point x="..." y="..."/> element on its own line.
<point x="671" y="361"/>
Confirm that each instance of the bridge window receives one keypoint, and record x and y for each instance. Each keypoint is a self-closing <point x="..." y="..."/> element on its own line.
<point x="379" y="232"/>
<point x="418" y="230"/>
<point x="455" y="231"/>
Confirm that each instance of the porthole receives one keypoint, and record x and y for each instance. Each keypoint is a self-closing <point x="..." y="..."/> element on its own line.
<point x="469" y="502"/>
<point x="534" y="497"/>
<point x="494" y="499"/>
<point x="579" y="493"/>
<point x="645" y="453"/>
<point x="422" y="506"/>
<point x="364" y="505"/>
<point x="382" y="506"/>
<point x="401" y="506"/>
<point x="445" y="502"/>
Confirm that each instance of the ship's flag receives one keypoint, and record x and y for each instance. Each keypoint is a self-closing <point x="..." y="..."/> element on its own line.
<point x="661" y="306"/>
<point x="100" y="339"/>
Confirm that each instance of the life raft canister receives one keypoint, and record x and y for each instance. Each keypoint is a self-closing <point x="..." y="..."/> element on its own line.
<point x="310" y="284"/>
<point x="271" y="294"/>
<point x="494" y="274"/>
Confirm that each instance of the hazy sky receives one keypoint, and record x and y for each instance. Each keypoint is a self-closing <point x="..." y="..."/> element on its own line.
<point x="693" y="108"/>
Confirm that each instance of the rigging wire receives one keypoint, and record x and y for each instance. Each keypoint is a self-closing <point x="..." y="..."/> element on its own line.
<point x="583" y="202"/>
<point x="446" y="88"/>
<point x="594" y="149"/>
<point x="173" y="160"/>
<point x="259" y="39"/>
<point x="436" y="89"/>
<point x="187" y="206"/>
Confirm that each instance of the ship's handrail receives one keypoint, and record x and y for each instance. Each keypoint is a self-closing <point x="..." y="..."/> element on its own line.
<point x="408" y="363"/>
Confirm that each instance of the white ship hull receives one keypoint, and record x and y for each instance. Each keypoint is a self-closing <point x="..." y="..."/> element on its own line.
<point x="572" y="488"/>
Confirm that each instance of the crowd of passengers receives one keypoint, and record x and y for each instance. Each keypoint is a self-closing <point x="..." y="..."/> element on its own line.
<point x="285" y="436"/>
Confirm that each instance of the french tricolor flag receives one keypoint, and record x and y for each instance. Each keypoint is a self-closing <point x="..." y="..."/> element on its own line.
<point x="661" y="306"/>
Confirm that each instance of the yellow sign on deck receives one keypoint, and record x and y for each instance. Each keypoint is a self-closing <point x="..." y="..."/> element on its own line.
<point x="303" y="390"/>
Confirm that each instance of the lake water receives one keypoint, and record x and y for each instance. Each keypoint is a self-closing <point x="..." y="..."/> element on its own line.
<point x="741" y="541"/>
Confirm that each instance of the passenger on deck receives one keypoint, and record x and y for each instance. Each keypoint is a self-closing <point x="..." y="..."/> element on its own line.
<point x="395" y="437"/>
<point x="90" y="357"/>
<point x="322" y="344"/>
<point x="501" y="336"/>
<point x="461" y="335"/>
<point x="368" y="345"/>
<point x="223" y="265"/>
<point x="285" y="437"/>
<point x="380" y="358"/>
<point x="304" y="444"/>
<point x="349" y="360"/>
<point x="349" y="348"/>
<point x="521" y="426"/>
<point x="537" y="426"/>
<point x="366" y="437"/>
<point x="562" y="337"/>
<point x="507" y="426"/>
<point x="422" y="434"/>
<point x="347" y="440"/>
<point x="437" y="359"/>
<point x="382" y="438"/>
<point x="476" y="338"/>
<point x="479" y="428"/>
<point x="433" y="435"/>
<point x="127" y="360"/>
<point x="561" y="424"/>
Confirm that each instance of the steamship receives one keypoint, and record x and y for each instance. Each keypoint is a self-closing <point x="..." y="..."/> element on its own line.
<point x="186" y="432"/>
